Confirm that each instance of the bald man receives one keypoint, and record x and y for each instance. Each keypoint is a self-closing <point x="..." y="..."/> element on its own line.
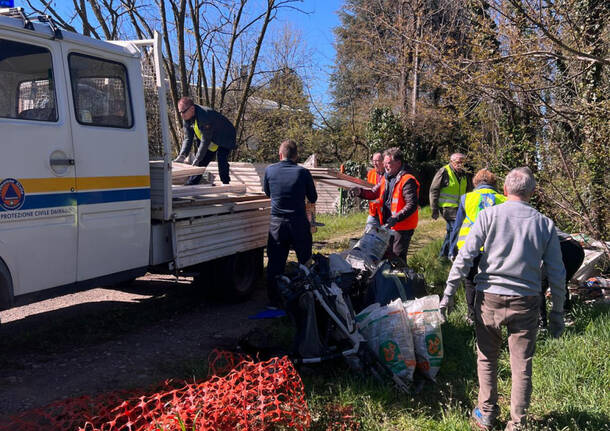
<point x="448" y="185"/>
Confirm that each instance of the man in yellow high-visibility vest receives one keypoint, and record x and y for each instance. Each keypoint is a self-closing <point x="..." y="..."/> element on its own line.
<point x="484" y="195"/>
<point x="448" y="185"/>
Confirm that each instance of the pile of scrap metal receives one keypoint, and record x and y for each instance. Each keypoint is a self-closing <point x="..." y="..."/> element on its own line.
<point x="589" y="282"/>
<point x="364" y="308"/>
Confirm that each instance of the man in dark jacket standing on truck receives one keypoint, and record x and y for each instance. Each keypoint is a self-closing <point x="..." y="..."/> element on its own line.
<point x="215" y="133"/>
<point x="287" y="184"/>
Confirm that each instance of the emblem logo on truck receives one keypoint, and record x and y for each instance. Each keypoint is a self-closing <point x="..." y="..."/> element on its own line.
<point x="12" y="194"/>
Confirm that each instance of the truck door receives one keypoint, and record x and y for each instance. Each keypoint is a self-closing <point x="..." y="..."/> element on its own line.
<point x="111" y="160"/>
<point x="38" y="233"/>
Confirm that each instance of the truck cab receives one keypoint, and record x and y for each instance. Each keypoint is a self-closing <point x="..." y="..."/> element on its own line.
<point x="76" y="166"/>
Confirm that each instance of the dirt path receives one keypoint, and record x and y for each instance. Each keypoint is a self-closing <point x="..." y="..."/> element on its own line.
<point x="102" y="340"/>
<point x="127" y="337"/>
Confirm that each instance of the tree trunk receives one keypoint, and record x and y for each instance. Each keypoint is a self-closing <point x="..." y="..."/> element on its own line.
<point x="259" y="43"/>
<point x="414" y="90"/>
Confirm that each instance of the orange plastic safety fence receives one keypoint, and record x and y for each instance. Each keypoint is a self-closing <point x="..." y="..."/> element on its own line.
<point x="65" y="414"/>
<point x="220" y="362"/>
<point x="252" y="396"/>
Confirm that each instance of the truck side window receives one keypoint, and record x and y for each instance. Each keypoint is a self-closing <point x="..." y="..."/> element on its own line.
<point x="27" y="90"/>
<point x="100" y="91"/>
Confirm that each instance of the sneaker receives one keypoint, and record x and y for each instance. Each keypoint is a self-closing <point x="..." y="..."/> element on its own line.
<point x="180" y="159"/>
<point x="274" y="304"/>
<point x="482" y="421"/>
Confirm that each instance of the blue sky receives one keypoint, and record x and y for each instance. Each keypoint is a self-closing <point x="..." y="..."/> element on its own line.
<point x="316" y="27"/>
<point x="317" y="30"/>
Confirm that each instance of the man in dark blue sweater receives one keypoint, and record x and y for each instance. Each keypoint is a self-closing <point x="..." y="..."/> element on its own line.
<point x="287" y="184"/>
<point x="215" y="134"/>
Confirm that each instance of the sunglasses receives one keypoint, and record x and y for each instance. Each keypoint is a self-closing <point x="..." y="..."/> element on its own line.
<point x="185" y="109"/>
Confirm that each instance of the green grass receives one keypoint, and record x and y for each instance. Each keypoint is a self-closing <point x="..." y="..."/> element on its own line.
<point x="426" y="262"/>
<point x="571" y="381"/>
<point x="334" y="236"/>
<point x="571" y="375"/>
<point x="337" y="226"/>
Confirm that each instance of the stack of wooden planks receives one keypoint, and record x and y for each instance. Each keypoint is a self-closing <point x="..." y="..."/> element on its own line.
<point x="181" y="172"/>
<point x="212" y="221"/>
<point x="328" y="183"/>
<point x="334" y="177"/>
<point x="244" y="227"/>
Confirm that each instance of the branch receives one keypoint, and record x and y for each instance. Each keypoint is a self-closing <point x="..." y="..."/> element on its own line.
<point x="581" y="55"/>
<point x="100" y="18"/>
<point x="234" y="36"/>
<point x="56" y="17"/>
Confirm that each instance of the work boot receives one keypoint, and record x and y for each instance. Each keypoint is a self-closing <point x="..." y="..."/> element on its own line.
<point x="482" y="421"/>
<point x="180" y="159"/>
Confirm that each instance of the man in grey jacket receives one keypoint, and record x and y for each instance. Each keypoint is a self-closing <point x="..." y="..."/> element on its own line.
<point x="216" y="136"/>
<point x="515" y="239"/>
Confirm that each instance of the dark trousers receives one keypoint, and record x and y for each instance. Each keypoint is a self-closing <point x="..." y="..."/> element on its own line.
<point x="400" y="247"/>
<point x="572" y="255"/>
<point x="445" y="248"/>
<point x="469" y="286"/>
<point x="283" y="234"/>
<point x="223" y="165"/>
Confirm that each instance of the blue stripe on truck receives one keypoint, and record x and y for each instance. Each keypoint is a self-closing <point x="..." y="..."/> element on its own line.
<point x="53" y="200"/>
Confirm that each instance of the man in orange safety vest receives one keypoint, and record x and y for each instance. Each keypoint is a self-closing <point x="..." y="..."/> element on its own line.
<point x="374" y="176"/>
<point x="397" y="197"/>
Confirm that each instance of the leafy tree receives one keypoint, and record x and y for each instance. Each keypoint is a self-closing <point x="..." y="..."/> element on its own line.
<point x="280" y="111"/>
<point x="384" y="130"/>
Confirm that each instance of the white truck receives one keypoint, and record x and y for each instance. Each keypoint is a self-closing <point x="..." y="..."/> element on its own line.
<point x="86" y="194"/>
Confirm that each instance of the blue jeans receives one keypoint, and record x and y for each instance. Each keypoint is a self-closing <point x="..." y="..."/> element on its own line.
<point x="446" y="242"/>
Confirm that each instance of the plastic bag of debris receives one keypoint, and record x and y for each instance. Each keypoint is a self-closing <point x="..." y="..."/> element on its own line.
<point x="388" y="334"/>
<point x="425" y="323"/>
<point x="341" y="272"/>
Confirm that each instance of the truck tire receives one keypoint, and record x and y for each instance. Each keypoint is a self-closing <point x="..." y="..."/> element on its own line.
<point x="231" y="278"/>
<point x="237" y="276"/>
<point x="6" y="287"/>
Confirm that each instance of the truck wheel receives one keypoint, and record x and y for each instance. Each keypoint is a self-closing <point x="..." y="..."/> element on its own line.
<point x="6" y="287"/>
<point x="237" y="275"/>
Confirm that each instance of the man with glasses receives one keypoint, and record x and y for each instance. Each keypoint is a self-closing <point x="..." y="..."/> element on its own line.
<point x="215" y="133"/>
